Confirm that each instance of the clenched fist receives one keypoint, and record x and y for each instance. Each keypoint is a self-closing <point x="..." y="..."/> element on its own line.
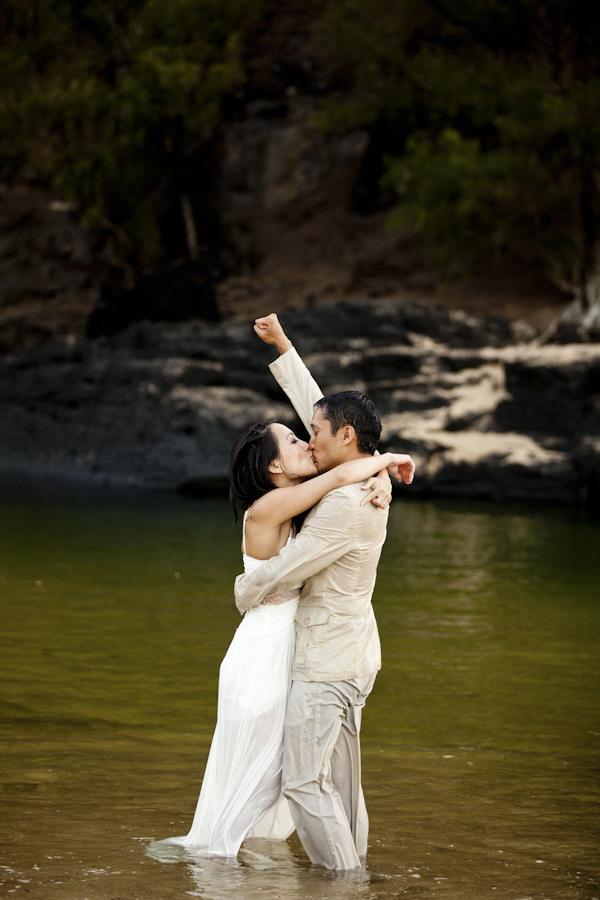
<point x="269" y="330"/>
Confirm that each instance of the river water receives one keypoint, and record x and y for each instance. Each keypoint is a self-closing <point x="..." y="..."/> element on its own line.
<point x="480" y="740"/>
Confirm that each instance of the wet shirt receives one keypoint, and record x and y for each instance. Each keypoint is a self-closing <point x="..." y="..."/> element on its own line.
<point x="336" y="556"/>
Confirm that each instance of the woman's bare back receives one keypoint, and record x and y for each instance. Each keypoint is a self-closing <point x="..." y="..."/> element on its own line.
<point x="261" y="539"/>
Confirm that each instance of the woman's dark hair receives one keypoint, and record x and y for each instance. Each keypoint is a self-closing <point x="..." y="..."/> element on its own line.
<point x="249" y="476"/>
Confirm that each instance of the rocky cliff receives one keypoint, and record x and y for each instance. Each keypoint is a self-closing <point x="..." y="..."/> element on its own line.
<point x="487" y="410"/>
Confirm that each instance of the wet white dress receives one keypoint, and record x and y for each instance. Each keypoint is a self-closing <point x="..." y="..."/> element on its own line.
<point x="241" y="790"/>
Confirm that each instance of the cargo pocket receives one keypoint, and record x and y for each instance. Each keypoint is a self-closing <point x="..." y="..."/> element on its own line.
<point x="310" y="632"/>
<point x="312" y="615"/>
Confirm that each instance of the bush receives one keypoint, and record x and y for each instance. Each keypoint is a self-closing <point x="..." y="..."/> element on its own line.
<point x="107" y="101"/>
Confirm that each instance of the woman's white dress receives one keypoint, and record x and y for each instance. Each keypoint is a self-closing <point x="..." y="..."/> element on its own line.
<point x="241" y="790"/>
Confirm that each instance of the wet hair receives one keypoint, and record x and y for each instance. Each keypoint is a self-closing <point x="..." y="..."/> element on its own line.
<point x="353" y="408"/>
<point x="251" y="456"/>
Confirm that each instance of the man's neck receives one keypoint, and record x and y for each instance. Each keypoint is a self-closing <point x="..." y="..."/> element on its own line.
<point x="348" y="457"/>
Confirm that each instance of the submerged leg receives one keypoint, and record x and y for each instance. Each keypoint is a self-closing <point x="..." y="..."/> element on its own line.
<point x="321" y="769"/>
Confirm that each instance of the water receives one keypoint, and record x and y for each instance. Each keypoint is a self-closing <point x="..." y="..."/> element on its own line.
<point x="480" y="740"/>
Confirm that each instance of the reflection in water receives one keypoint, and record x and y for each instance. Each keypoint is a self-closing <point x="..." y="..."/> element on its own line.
<point x="459" y="547"/>
<point x="480" y="739"/>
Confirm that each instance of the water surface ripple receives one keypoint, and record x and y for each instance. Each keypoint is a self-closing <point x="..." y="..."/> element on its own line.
<point x="480" y="740"/>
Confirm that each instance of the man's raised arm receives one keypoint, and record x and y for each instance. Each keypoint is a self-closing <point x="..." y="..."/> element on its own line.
<point x="326" y="537"/>
<point x="289" y="371"/>
<point x="303" y="392"/>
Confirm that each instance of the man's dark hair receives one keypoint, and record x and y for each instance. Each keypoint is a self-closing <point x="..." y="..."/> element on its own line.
<point x="353" y="408"/>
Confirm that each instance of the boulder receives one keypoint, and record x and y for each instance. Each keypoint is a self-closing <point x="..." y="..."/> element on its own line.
<point x="507" y="467"/>
<point x="116" y="420"/>
<point x="550" y="391"/>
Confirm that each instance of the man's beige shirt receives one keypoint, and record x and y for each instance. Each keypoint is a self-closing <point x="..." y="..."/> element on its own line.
<point x="336" y="556"/>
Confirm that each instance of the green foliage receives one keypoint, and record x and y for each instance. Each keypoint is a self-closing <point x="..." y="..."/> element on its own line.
<point x="106" y="99"/>
<point x="496" y="105"/>
<point x="492" y="106"/>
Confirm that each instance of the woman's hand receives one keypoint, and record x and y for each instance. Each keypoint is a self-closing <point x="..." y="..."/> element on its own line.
<point x="269" y="330"/>
<point x="381" y="490"/>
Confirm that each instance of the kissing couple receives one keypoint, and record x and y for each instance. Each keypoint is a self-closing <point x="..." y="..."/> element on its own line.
<point x="286" y="749"/>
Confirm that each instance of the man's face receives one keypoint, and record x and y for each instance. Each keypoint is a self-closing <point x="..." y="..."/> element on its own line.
<point x="328" y="450"/>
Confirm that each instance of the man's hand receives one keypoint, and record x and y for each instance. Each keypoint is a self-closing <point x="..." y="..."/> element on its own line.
<point x="269" y="330"/>
<point x="402" y="468"/>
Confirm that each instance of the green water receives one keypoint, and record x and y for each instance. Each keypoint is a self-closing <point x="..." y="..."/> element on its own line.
<point x="480" y="740"/>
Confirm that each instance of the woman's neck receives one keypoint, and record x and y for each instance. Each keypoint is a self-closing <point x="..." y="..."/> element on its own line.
<point x="280" y="480"/>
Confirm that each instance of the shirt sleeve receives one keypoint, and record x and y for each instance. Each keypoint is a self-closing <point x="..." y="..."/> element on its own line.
<point x="303" y="391"/>
<point x="324" y="538"/>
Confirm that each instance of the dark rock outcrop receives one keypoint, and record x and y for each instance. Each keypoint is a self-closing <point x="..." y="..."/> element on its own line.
<point x="487" y="411"/>
<point x="153" y="408"/>
<point x="60" y="279"/>
<point x="52" y="270"/>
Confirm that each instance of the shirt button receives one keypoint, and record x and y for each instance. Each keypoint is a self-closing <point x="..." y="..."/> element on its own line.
<point x="306" y="620"/>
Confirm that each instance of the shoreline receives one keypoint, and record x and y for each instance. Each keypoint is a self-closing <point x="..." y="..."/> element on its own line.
<point x="487" y="409"/>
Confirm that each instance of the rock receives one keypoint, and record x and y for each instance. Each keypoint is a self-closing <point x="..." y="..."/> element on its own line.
<point x="575" y="325"/>
<point x="550" y="391"/>
<point x="133" y="410"/>
<point x="499" y="431"/>
<point x="159" y="406"/>
<point x="170" y="293"/>
<point x="587" y="461"/>
<point x="508" y="467"/>
<point x="52" y="269"/>
<point x="391" y="362"/>
<point x="127" y="428"/>
<point x="473" y="395"/>
<point x="337" y="371"/>
<point x="61" y="279"/>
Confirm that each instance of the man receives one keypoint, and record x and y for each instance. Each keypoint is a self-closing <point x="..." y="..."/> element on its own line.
<point x="337" y="644"/>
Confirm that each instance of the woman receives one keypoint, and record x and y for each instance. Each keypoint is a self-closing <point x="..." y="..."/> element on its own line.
<point x="273" y="478"/>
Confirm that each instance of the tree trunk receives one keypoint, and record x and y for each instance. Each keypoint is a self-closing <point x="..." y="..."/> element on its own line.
<point x="590" y="295"/>
<point x="581" y="321"/>
<point x="589" y="205"/>
<point x="191" y="235"/>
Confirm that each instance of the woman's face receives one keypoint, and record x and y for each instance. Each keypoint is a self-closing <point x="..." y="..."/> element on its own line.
<point x="294" y="457"/>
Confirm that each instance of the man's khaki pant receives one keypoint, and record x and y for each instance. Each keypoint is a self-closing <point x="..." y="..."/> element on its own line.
<point x="321" y="769"/>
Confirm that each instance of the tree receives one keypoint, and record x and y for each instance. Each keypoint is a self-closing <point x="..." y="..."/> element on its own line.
<point x="108" y="101"/>
<point x="496" y="102"/>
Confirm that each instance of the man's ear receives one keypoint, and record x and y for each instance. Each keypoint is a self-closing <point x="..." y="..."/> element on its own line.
<point x="348" y="434"/>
